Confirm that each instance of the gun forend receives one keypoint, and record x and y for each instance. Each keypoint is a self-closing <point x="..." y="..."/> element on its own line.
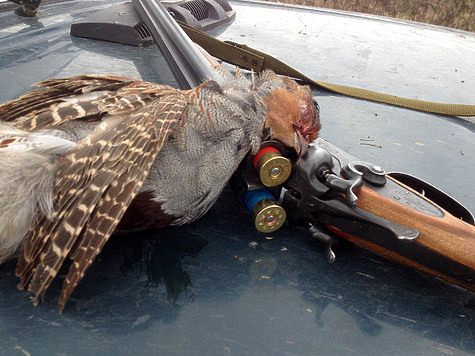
<point x="445" y="246"/>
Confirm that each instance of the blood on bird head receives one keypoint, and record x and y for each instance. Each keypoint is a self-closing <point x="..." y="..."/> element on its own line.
<point x="290" y="110"/>
<point x="308" y="123"/>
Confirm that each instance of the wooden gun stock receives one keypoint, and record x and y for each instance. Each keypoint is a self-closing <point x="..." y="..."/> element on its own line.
<point x="444" y="248"/>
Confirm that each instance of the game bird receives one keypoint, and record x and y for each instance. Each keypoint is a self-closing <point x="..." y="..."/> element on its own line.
<point x="88" y="156"/>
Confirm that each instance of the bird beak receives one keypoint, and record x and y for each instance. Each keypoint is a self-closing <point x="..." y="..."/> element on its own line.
<point x="300" y="146"/>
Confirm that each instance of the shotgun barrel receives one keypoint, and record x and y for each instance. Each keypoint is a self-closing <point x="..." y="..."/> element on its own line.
<point x="187" y="63"/>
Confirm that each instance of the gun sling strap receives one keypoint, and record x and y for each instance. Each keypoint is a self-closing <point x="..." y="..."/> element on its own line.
<point x="249" y="58"/>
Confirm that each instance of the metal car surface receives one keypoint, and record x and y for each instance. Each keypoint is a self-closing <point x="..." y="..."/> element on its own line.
<point x="219" y="287"/>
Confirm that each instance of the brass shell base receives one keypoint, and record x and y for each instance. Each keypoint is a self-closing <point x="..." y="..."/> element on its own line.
<point x="274" y="169"/>
<point x="268" y="216"/>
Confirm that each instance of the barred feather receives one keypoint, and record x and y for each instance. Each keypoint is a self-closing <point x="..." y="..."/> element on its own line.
<point x="53" y="92"/>
<point x="98" y="178"/>
<point x="117" y="126"/>
<point x="78" y="97"/>
<point x="113" y="206"/>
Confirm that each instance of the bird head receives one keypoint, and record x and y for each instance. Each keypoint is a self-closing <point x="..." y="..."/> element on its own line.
<point x="292" y="115"/>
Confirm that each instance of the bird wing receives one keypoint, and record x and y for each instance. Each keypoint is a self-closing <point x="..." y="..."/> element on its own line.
<point x="97" y="179"/>
<point x="87" y="96"/>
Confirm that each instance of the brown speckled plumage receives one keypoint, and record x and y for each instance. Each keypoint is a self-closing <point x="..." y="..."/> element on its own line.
<point x="121" y="146"/>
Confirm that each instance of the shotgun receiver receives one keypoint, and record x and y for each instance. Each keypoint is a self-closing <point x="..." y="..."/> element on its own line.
<point x="333" y="195"/>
